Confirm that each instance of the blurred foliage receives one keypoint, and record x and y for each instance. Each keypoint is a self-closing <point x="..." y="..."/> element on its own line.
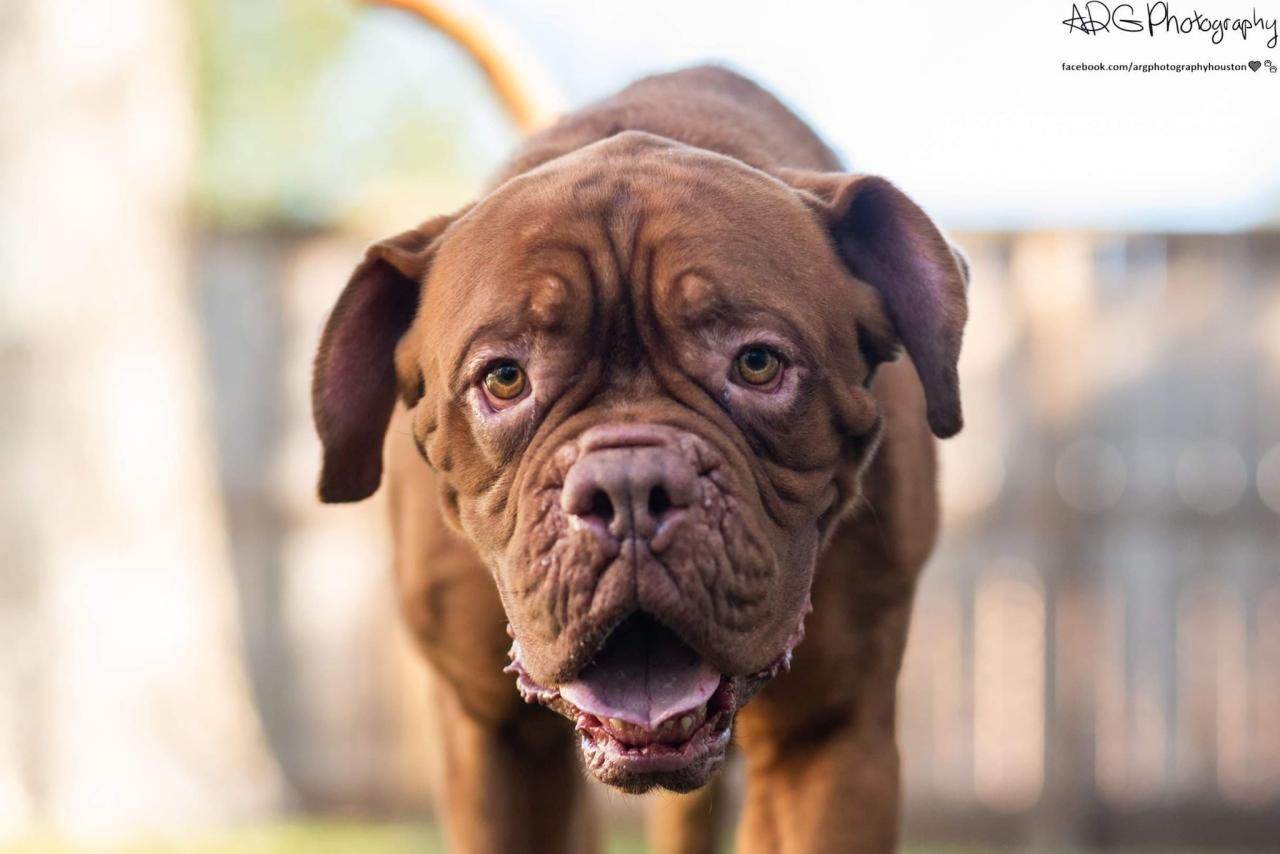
<point x="316" y="111"/>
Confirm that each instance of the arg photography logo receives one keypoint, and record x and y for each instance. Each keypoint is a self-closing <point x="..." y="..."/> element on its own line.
<point x="1162" y="20"/>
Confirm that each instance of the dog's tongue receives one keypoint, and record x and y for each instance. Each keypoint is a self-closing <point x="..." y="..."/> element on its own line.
<point x="644" y="675"/>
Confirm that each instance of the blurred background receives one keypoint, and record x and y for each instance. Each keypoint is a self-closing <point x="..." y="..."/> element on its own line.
<point x="195" y="655"/>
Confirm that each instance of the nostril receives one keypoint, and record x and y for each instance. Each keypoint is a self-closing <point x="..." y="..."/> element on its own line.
<point x="659" y="501"/>
<point x="601" y="507"/>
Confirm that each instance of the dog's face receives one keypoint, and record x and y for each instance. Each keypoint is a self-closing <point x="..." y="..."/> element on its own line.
<point x="641" y="371"/>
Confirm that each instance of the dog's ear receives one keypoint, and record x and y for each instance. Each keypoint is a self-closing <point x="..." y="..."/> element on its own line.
<point x="353" y="387"/>
<point x="889" y="242"/>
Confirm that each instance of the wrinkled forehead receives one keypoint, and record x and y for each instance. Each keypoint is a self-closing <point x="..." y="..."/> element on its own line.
<point x="627" y="221"/>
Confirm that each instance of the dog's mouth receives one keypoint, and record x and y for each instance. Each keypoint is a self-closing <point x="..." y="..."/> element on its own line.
<point x="649" y="705"/>
<point x="648" y="709"/>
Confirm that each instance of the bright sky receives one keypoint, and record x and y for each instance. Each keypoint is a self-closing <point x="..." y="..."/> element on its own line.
<point x="965" y="104"/>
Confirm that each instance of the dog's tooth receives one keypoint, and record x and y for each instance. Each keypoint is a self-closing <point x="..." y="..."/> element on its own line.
<point x="615" y="723"/>
<point x="686" y="723"/>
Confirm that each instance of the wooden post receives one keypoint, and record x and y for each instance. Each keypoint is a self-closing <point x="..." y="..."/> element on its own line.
<point x="120" y="670"/>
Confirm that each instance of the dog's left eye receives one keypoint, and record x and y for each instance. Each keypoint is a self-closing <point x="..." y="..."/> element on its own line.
<point x="757" y="365"/>
<point x="505" y="383"/>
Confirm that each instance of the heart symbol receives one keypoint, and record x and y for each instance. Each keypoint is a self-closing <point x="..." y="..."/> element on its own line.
<point x="1255" y="65"/>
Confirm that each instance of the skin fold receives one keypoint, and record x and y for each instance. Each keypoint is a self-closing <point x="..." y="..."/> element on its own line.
<point x="617" y="270"/>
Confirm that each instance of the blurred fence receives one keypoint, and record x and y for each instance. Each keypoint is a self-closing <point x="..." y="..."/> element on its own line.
<point x="1096" y="652"/>
<point x="1095" y="656"/>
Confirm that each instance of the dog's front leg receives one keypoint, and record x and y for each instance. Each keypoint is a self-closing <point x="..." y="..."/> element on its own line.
<point x="834" y="792"/>
<point x="687" y="824"/>
<point x="512" y="786"/>
<point x="822" y="762"/>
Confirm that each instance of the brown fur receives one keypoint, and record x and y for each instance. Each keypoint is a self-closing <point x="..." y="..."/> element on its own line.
<point x="618" y="252"/>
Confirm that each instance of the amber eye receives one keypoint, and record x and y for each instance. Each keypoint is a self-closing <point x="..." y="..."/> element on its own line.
<point x="505" y="381"/>
<point x="758" y="365"/>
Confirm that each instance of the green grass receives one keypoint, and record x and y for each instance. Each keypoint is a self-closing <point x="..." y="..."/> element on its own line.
<point x="315" y="837"/>
<point x="312" y="837"/>
<point x="323" y="837"/>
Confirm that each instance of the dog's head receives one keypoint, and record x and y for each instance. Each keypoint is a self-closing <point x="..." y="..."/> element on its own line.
<point x="642" y="373"/>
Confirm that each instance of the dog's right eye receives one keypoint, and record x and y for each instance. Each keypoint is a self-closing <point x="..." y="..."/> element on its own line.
<point x="505" y="383"/>
<point x="758" y="366"/>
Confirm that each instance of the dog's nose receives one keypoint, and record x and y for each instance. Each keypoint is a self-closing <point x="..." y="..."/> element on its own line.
<point x="631" y="490"/>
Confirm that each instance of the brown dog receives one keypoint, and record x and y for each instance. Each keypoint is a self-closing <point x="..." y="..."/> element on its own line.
<point x="640" y="374"/>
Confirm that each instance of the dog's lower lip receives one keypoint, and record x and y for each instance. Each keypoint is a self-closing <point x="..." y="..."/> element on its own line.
<point x="635" y="767"/>
<point x="634" y="750"/>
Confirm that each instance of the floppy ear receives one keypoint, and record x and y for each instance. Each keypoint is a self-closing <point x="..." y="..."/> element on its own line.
<point x="889" y="242"/>
<point x="353" y="388"/>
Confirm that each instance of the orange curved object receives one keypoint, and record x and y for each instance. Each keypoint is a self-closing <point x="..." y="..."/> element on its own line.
<point x="519" y="81"/>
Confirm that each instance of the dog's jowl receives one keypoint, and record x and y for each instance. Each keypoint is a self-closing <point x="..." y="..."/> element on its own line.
<point x="662" y="406"/>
